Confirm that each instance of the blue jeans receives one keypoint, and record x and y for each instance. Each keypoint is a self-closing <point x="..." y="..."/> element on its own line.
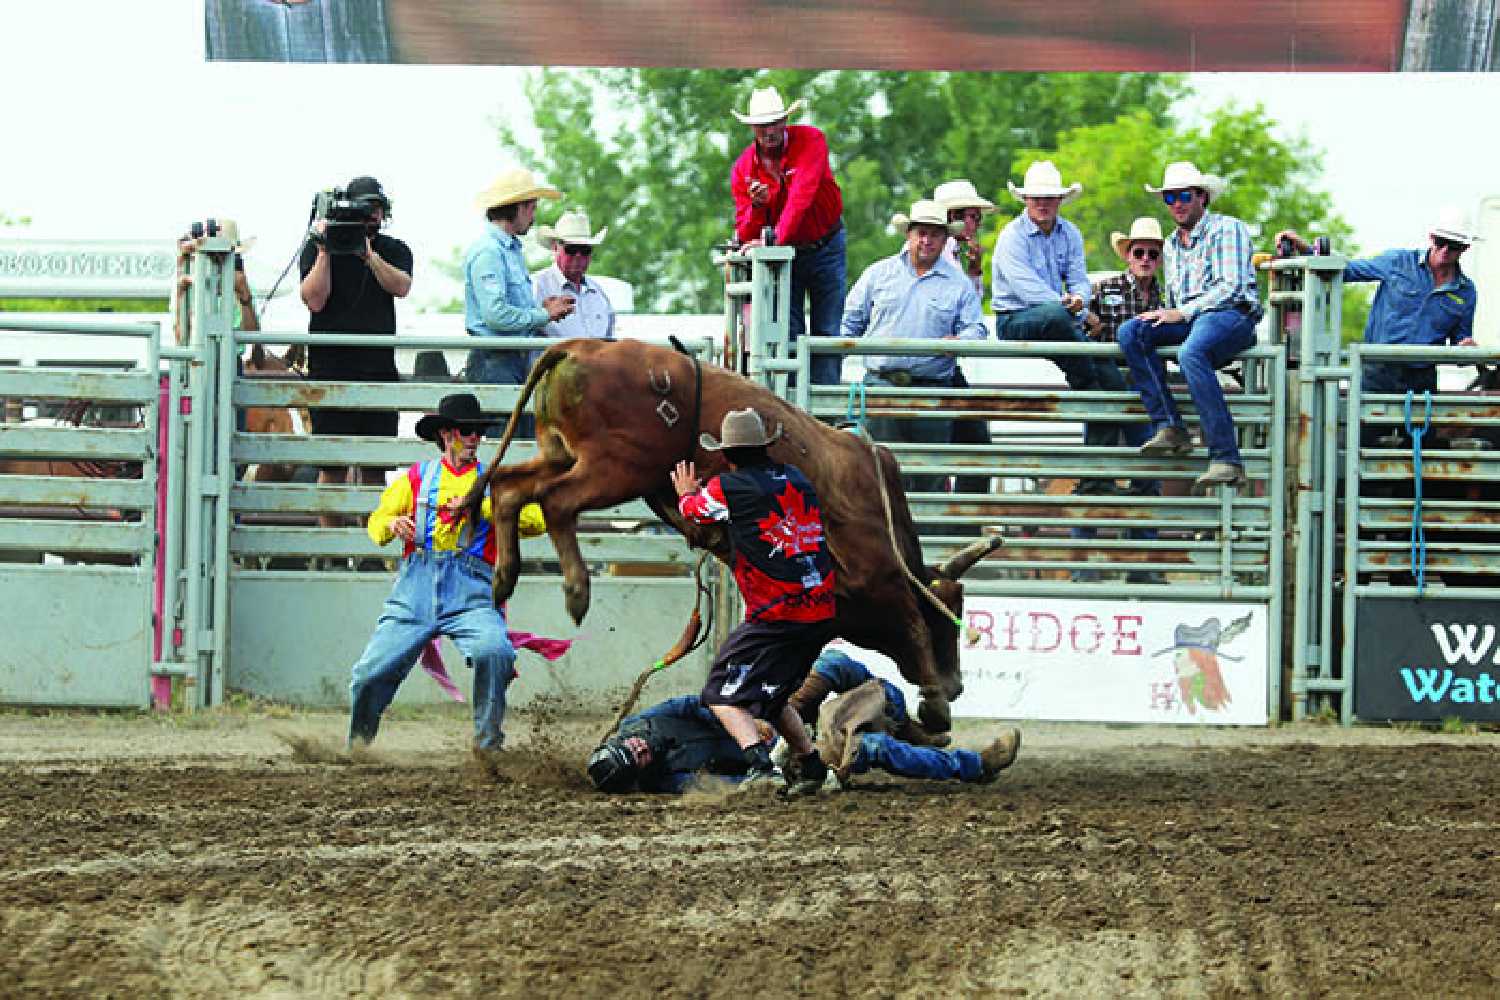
<point x="820" y="275"/>
<point x="1210" y="341"/>
<point x="1052" y="322"/>
<point x="436" y="594"/>
<point x="886" y="753"/>
<point x="844" y="673"/>
<point x="914" y="430"/>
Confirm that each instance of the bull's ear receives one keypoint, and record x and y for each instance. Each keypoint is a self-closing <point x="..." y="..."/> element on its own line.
<point x="964" y="559"/>
<point x="296" y="356"/>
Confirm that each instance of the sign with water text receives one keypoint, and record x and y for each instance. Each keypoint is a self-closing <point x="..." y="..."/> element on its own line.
<point x="1109" y="661"/>
<point x="1427" y="660"/>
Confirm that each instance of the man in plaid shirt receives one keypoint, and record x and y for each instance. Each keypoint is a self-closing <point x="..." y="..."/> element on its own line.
<point x="1215" y="306"/>
<point x="1136" y="290"/>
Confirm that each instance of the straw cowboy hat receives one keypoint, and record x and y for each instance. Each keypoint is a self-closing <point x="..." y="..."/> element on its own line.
<point x="1144" y="229"/>
<point x="230" y="230"/>
<point x="961" y="194"/>
<point x="513" y="187"/>
<point x="572" y="229"/>
<point x="459" y="409"/>
<point x="741" y="429"/>
<point x="1043" y="180"/>
<point x="1183" y="174"/>
<point x="766" y="106"/>
<point x="1453" y="224"/>
<point x="927" y="213"/>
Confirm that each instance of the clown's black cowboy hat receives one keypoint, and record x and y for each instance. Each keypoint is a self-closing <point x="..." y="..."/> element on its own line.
<point x="459" y="409"/>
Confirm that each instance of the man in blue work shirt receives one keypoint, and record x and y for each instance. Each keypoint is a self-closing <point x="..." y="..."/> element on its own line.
<point x="1213" y="312"/>
<point x="1424" y="299"/>
<point x="1040" y="291"/>
<point x="915" y="294"/>
<point x="498" y="300"/>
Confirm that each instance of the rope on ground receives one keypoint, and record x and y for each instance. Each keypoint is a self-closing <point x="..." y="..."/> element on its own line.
<point x="693" y="636"/>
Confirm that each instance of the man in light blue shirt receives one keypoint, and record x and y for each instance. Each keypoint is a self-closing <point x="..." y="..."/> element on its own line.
<point x="1425" y="299"/>
<point x="498" y="300"/>
<point x="1213" y="312"/>
<point x="1040" y="291"/>
<point x="915" y="294"/>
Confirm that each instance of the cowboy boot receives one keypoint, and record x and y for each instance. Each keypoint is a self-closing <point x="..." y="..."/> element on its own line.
<point x="810" y="697"/>
<point x="998" y="756"/>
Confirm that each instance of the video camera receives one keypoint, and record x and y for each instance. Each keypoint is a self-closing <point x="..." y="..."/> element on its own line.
<point x="344" y="219"/>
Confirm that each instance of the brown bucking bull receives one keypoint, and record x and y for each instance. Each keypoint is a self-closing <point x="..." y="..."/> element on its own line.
<point x="613" y="419"/>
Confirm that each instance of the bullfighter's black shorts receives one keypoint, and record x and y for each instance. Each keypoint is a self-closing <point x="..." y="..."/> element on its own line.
<point x="762" y="664"/>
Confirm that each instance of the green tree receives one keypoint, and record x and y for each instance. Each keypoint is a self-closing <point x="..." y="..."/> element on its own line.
<point x="648" y="151"/>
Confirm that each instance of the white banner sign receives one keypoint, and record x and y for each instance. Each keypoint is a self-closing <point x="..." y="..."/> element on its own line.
<point x="1109" y="661"/>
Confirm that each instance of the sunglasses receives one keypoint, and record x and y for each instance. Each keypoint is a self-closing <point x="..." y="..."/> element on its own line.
<point x="578" y="251"/>
<point x="1173" y="197"/>
<point x="1446" y="244"/>
<point x="1145" y="253"/>
<point x="965" y="213"/>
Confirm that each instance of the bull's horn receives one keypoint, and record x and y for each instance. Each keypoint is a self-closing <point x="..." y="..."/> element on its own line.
<point x="964" y="559"/>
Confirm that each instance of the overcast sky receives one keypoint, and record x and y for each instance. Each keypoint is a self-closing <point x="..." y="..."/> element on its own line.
<point x="114" y="125"/>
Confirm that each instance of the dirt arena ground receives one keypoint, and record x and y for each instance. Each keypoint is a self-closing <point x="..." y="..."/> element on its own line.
<point x="241" y="855"/>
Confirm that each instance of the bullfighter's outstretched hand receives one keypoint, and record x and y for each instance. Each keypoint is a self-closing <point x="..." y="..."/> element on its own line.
<point x="685" y="478"/>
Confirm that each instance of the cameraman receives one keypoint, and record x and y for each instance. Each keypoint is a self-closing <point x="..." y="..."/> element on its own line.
<point x="354" y="292"/>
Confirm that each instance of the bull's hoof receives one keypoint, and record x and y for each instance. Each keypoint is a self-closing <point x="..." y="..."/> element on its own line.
<point x="934" y="713"/>
<point x="502" y="589"/>
<point x="577" y="599"/>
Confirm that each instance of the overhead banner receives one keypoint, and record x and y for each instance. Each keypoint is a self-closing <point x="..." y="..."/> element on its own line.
<point x="1032" y="35"/>
<point x="1427" y="660"/>
<point x="1109" y="661"/>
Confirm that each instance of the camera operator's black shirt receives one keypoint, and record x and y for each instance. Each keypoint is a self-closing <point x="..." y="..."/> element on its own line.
<point x="356" y="304"/>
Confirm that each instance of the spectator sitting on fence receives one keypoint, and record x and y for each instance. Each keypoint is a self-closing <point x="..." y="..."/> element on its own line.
<point x="1424" y="299"/>
<point x="355" y="293"/>
<point x="916" y="294"/>
<point x="1040" y="291"/>
<point x="444" y="584"/>
<point x="498" y="296"/>
<point x="665" y="747"/>
<point x="1214" y="309"/>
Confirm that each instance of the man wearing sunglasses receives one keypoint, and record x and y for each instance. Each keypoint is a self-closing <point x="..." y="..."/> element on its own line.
<point x="572" y="242"/>
<point x="1134" y="291"/>
<point x="1424" y="299"/>
<point x="1215" y="306"/>
<point x="443" y="587"/>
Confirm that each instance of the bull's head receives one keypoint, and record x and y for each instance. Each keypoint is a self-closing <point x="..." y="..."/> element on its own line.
<point x="945" y="586"/>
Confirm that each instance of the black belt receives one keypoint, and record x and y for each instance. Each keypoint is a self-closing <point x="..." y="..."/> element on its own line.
<point x="822" y="241"/>
<point x="905" y="379"/>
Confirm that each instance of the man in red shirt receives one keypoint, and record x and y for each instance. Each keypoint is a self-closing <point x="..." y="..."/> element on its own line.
<point x="782" y="181"/>
<point x="785" y="574"/>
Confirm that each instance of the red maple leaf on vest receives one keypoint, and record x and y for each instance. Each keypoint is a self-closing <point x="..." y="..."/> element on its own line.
<point x="796" y="531"/>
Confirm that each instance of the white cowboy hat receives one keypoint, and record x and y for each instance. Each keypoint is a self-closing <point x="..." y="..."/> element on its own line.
<point x="1453" y="224"/>
<point x="1182" y="174"/>
<point x="766" y="106"/>
<point x="1044" y="180"/>
<point x="1144" y="228"/>
<point x="512" y="187"/>
<point x="927" y="213"/>
<point x="572" y="229"/>
<point x="961" y="194"/>
<point x="230" y="230"/>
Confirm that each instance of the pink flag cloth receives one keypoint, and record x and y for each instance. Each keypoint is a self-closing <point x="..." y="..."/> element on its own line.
<point x="432" y="657"/>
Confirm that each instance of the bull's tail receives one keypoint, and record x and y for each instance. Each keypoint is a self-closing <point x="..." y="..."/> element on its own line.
<point x="544" y="364"/>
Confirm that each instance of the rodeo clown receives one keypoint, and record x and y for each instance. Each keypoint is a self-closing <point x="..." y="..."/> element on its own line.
<point x="444" y="584"/>
<point x="664" y="748"/>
